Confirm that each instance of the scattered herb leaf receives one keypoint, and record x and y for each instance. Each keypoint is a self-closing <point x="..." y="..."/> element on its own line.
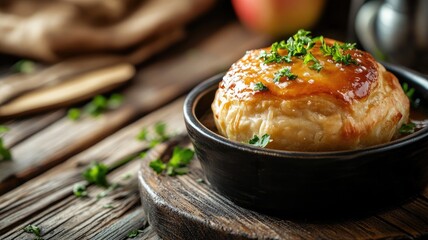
<point x="5" y="153"/>
<point x="96" y="173"/>
<point x="34" y="230"/>
<point x="143" y="154"/>
<point x="410" y="94"/>
<point x="260" y="142"/>
<point x="407" y="128"/>
<point x="177" y="164"/>
<point x="115" y="101"/>
<point x="109" y="205"/>
<point x="110" y="189"/>
<point x="134" y="233"/>
<point x="142" y="135"/>
<point x="79" y="190"/>
<point x="97" y="106"/>
<point x="158" y="166"/>
<point x="24" y="66"/>
<point x="3" y="129"/>
<point x="260" y="87"/>
<point x="73" y="114"/>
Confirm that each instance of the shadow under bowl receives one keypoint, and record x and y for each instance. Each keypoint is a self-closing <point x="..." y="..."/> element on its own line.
<point x="308" y="184"/>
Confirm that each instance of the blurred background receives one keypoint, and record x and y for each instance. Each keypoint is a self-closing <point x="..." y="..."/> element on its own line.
<point x="47" y="43"/>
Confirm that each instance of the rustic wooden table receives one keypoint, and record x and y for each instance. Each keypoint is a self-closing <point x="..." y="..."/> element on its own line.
<point x="51" y="152"/>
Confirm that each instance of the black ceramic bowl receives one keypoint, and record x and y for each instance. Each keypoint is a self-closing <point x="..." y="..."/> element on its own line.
<point x="306" y="183"/>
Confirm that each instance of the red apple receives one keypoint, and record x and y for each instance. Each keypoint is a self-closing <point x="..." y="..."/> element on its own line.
<point x="278" y="17"/>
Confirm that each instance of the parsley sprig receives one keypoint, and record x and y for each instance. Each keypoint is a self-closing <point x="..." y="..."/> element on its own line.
<point x="160" y="135"/>
<point x="407" y="128"/>
<point x="260" y="141"/>
<point x="300" y="44"/>
<point x="24" y="66"/>
<point x="177" y="164"/>
<point x="5" y="153"/>
<point x="410" y="94"/>
<point x="259" y="87"/>
<point x="285" y="72"/>
<point x="97" y="106"/>
<point x="33" y="229"/>
<point x="96" y="173"/>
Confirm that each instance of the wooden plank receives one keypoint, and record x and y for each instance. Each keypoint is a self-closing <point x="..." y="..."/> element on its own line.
<point x="48" y="201"/>
<point x="20" y="129"/>
<point x="155" y="85"/>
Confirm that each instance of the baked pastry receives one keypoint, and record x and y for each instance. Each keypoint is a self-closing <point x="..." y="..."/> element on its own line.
<point x="310" y="94"/>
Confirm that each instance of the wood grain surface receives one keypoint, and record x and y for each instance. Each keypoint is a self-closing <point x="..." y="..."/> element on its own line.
<point x="155" y="85"/>
<point x="50" y="151"/>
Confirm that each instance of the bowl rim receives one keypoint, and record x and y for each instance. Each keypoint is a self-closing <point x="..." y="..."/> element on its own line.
<point x="193" y="98"/>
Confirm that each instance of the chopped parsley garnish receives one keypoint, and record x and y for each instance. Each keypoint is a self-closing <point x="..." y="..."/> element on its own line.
<point x="73" y="114"/>
<point x="300" y="44"/>
<point x="109" y="205"/>
<point x="142" y="135"/>
<point x="97" y="106"/>
<point x="24" y="66"/>
<point x="96" y="173"/>
<point x="5" y="153"/>
<point x="310" y="58"/>
<point x="285" y="72"/>
<point x="34" y="230"/>
<point x="160" y="134"/>
<point x="158" y="166"/>
<point x="260" y="87"/>
<point x="409" y="93"/>
<point x="110" y="189"/>
<point x="407" y="128"/>
<point x="177" y="164"/>
<point x="79" y="190"/>
<point x="260" y="142"/>
<point x="134" y="233"/>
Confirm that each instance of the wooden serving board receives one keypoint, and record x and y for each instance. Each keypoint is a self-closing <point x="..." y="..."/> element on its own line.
<point x="184" y="208"/>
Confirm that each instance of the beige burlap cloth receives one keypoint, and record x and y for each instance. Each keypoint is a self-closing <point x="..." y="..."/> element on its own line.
<point x="51" y="30"/>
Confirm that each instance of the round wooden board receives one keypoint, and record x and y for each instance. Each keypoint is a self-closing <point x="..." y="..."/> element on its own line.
<point x="184" y="208"/>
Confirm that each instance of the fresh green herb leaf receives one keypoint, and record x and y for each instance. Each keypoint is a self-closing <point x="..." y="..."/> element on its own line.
<point x="33" y="229"/>
<point x="134" y="233"/>
<point x="260" y="87"/>
<point x="110" y="189"/>
<point x="142" y="135"/>
<point x="316" y="66"/>
<point x="177" y="164"/>
<point x="160" y="130"/>
<point x="24" y="66"/>
<point x="96" y="173"/>
<point x="285" y="72"/>
<point x="109" y="205"/>
<point x="336" y="51"/>
<point x="5" y="153"/>
<point x="407" y="128"/>
<point x="73" y="114"/>
<point x="97" y="106"/>
<point x="79" y="190"/>
<point x="3" y="129"/>
<point x="260" y="142"/>
<point x="143" y="154"/>
<point x="115" y="101"/>
<point x="158" y="166"/>
<point x="410" y="93"/>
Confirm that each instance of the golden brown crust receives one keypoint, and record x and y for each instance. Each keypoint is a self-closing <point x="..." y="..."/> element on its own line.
<point x="341" y="107"/>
